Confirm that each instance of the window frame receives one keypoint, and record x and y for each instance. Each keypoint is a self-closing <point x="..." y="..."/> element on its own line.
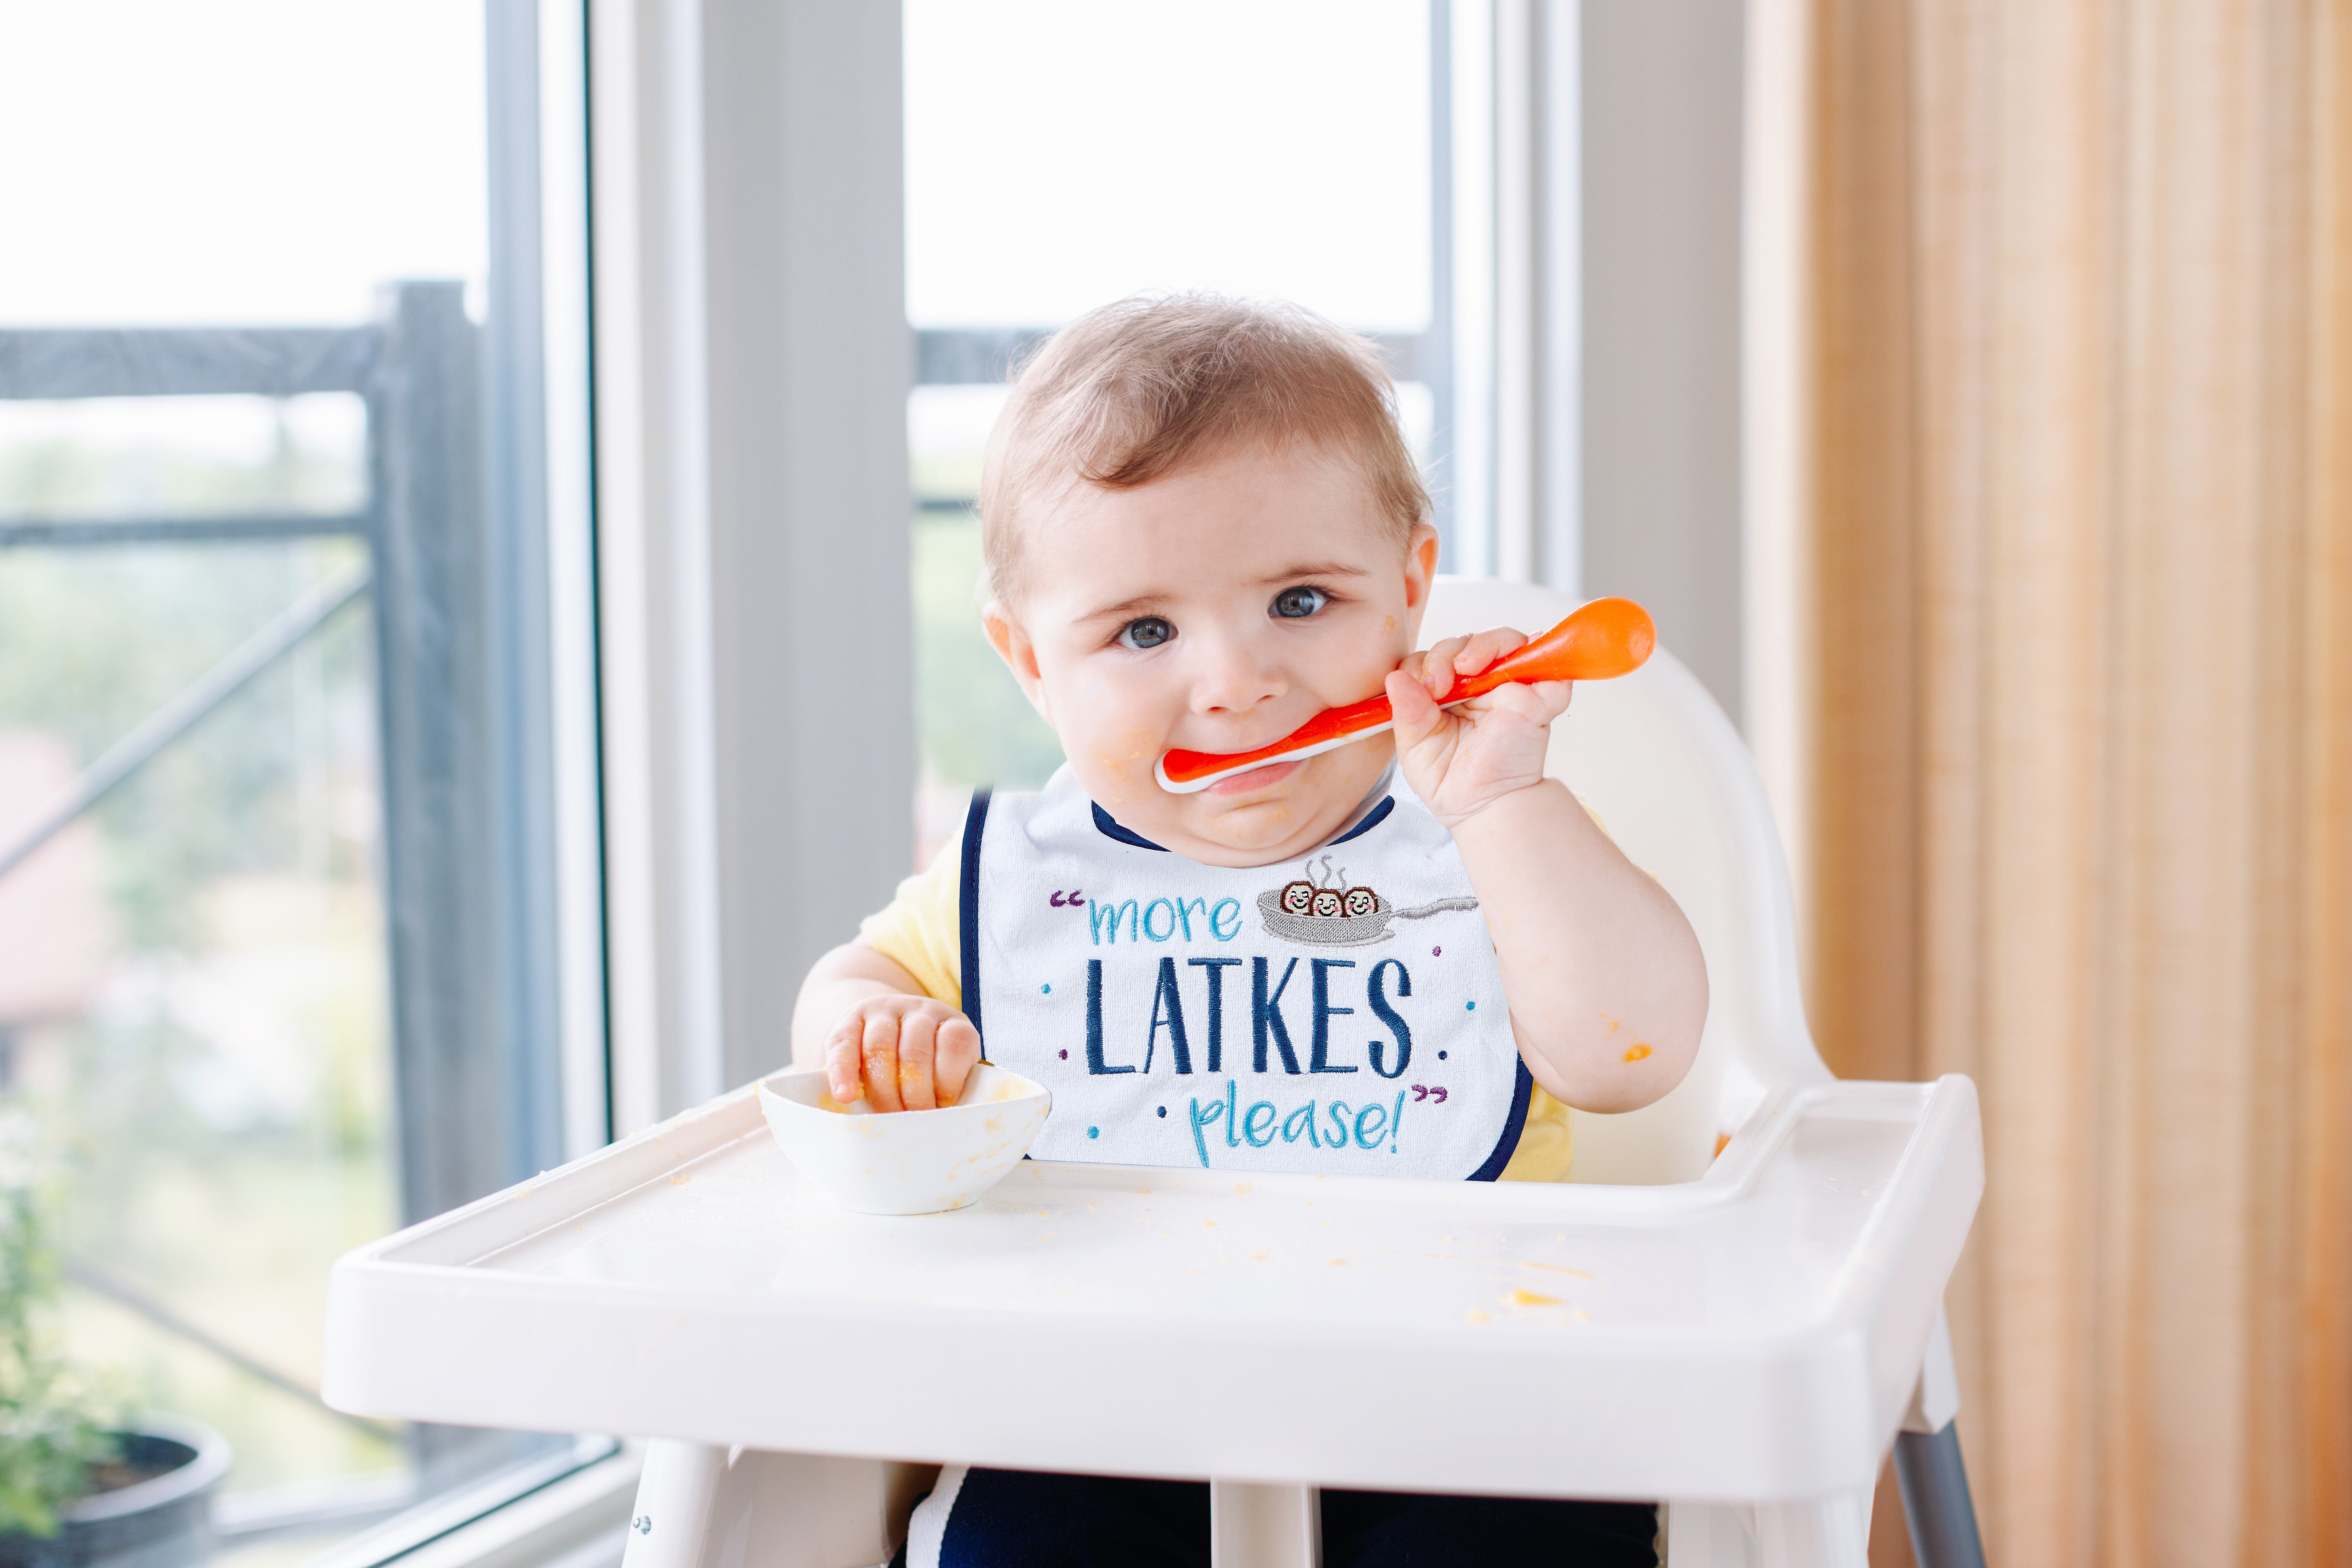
<point x="479" y="532"/>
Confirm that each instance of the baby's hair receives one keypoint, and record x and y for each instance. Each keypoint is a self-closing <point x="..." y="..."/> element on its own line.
<point x="1132" y="392"/>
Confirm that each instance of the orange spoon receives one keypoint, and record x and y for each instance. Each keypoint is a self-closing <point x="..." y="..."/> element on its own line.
<point x="1602" y="639"/>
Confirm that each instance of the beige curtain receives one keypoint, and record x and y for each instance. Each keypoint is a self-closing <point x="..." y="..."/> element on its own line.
<point x="2074" y="564"/>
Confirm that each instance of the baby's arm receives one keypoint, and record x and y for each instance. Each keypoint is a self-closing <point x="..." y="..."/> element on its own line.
<point x="865" y="1020"/>
<point x="1606" y="985"/>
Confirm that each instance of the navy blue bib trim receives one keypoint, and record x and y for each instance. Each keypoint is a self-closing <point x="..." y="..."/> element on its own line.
<point x="1111" y="829"/>
<point x="1523" y="1089"/>
<point x="968" y="911"/>
<point x="1378" y="814"/>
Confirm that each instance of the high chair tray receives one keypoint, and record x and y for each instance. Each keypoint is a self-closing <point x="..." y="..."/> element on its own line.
<point x="1754" y="1335"/>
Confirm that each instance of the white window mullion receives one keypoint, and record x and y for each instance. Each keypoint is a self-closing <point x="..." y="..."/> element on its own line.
<point x="753" y="361"/>
<point x="1517" y="290"/>
<point x="1473" y="129"/>
<point x="1556" y="234"/>
<point x="1516" y="319"/>
<point x="586" y="1116"/>
<point x="654" y="554"/>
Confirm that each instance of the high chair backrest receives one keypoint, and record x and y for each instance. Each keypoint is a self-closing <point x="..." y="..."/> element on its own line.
<point x="1655" y="757"/>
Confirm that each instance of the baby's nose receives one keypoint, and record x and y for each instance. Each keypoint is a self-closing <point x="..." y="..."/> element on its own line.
<point x="1232" y="681"/>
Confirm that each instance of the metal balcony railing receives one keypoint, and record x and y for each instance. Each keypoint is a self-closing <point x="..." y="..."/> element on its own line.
<point x="418" y="369"/>
<point x="464" y="1051"/>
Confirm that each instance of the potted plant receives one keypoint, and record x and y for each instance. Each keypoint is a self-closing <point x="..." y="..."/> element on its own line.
<point x="77" y="1484"/>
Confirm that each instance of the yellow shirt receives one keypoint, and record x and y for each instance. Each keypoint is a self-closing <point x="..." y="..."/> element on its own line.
<point x="920" y="931"/>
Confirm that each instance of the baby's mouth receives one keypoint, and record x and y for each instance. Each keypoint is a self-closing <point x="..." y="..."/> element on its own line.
<point x="1256" y="779"/>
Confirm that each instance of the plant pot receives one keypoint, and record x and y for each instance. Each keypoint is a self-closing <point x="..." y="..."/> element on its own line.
<point x="164" y="1521"/>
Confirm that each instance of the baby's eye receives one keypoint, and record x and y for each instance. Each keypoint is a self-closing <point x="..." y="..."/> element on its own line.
<point x="1297" y="604"/>
<point x="1144" y="632"/>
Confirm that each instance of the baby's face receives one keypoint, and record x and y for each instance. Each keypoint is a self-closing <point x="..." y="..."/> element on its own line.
<point x="1216" y="610"/>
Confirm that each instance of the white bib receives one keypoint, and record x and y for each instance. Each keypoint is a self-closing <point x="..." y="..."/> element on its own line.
<point x="1341" y="1014"/>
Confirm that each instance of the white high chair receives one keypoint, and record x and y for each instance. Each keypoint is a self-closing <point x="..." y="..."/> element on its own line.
<point x="1758" y="1320"/>
<point x="1655" y="756"/>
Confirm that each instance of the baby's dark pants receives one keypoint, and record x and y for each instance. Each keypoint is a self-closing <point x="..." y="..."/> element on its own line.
<point x="1019" y="1519"/>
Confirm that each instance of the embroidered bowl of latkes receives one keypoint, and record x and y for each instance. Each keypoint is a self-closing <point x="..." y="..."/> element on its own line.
<point x="905" y="1162"/>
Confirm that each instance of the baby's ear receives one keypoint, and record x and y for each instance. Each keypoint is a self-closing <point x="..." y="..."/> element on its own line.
<point x="1419" y="573"/>
<point x="1011" y="641"/>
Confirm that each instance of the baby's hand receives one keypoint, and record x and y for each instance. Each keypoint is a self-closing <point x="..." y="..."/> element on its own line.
<point x="1461" y="760"/>
<point x="900" y="1052"/>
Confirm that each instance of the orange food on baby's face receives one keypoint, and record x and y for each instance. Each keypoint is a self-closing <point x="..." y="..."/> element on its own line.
<point x="1637" y="1053"/>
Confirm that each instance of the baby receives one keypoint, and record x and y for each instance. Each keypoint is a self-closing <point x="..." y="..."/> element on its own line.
<point x="1201" y="527"/>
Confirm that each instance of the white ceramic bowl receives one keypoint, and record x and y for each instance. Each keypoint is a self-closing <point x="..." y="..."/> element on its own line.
<point x="906" y="1161"/>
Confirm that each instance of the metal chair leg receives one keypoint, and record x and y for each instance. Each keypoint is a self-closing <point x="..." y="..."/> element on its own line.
<point x="1935" y="1498"/>
<point x="1254" y="1525"/>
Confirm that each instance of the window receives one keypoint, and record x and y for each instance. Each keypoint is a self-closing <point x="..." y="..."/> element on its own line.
<point x="1062" y="154"/>
<point x="299" y="934"/>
